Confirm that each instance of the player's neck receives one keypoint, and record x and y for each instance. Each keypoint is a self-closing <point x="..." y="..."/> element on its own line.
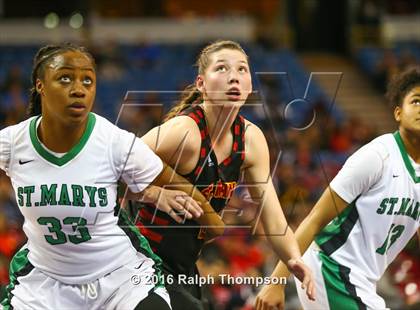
<point x="412" y="144"/>
<point x="219" y="120"/>
<point x="58" y="137"/>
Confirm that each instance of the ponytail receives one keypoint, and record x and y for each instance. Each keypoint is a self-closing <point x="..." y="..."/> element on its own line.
<point x="34" y="107"/>
<point x="190" y="96"/>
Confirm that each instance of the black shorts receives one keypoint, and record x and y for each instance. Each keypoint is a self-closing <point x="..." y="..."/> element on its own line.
<point x="187" y="296"/>
<point x="184" y="297"/>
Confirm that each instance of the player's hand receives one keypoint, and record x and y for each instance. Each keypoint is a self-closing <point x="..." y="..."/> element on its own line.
<point x="178" y="205"/>
<point x="304" y="275"/>
<point x="270" y="297"/>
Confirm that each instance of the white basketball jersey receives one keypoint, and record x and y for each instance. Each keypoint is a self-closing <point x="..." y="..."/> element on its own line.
<point x="69" y="202"/>
<point x="383" y="212"/>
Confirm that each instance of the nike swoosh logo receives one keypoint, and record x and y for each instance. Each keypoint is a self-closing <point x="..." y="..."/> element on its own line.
<point x="139" y="266"/>
<point x="21" y="162"/>
<point x="395" y="176"/>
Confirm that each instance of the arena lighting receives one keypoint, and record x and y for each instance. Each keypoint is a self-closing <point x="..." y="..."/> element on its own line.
<point x="51" y="20"/>
<point x="76" y="20"/>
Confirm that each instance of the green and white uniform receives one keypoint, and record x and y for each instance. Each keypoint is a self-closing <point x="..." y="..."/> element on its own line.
<point x="76" y="233"/>
<point x="381" y="184"/>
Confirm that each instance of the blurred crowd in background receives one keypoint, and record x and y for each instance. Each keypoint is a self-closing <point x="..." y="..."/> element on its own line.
<point x="131" y="78"/>
<point x="309" y="158"/>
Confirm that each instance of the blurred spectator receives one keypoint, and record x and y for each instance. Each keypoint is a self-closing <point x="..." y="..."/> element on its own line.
<point x="385" y="69"/>
<point x="390" y="64"/>
<point x="405" y="271"/>
<point x="110" y="61"/>
<point x="407" y="59"/>
<point x="369" y="13"/>
<point x="361" y="133"/>
<point x="8" y="205"/>
<point x="141" y="115"/>
<point x="13" y="104"/>
<point x="340" y="141"/>
<point x="4" y="275"/>
<point x="15" y="76"/>
<point x="268" y="106"/>
<point x="9" y="240"/>
<point x="402" y="7"/>
<point x="146" y="55"/>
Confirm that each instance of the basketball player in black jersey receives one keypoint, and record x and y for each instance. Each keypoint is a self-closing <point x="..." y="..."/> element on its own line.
<point x="204" y="139"/>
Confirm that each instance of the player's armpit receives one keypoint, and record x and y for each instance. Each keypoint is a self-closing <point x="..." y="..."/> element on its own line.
<point x="325" y="210"/>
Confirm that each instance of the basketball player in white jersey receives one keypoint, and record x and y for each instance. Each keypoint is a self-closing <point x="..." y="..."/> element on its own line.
<point x="365" y="217"/>
<point x="64" y="164"/>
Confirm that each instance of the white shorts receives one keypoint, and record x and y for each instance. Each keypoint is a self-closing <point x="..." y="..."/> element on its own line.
<point x="122" y="289"/>
<point x="336" y="286"/>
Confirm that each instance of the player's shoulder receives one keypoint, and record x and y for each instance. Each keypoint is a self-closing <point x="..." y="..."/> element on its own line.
<point x="255" y="145"/>
<point x="21" y="127"/>
<point x="101" y="122"/>
<point x="253" y="132"/>
<point x="183" y="121"/>
<point x="380" y="145"/>
<point x="383" y="139"/>
<point x="105" y="128"/>
<point x="109" y="134"/>
<point x="182" y="127"/>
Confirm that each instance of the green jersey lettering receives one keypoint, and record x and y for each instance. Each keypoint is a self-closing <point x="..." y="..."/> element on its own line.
<point x="392" y="201"/>
<point x="91" y="190"/>
<point x="77" y="196"/>
<point x="64" y="196"/>
<point x="48" y="196"/>
<point x="20" y="196"/>
<point x="382" y="206"/>
<point x="404" y="204"/>
<point x="28" y="190"/>
<point x="103" y="202"/>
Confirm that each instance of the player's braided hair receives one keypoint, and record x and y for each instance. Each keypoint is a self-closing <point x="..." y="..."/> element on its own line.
<point x="191" y="95"/>
<point x="401" y="84"/>
<point x="42" y="58"/>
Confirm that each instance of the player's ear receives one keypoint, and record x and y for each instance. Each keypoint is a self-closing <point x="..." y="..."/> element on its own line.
<point x="39" y="86"/>
<point x="397" y="113"/>
<point x="199" y="83"/>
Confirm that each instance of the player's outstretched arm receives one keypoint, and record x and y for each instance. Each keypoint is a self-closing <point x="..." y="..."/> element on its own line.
<point x="260" y="185"/>
<point x="327" y="208"/>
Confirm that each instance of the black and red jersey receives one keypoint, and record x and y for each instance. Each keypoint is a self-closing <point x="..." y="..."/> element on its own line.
<point x="179" y="244"/>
